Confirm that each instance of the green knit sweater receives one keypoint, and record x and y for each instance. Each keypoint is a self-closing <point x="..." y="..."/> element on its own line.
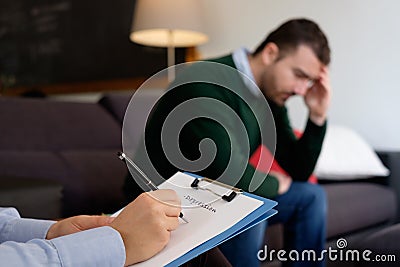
<point x="235" y="137"/>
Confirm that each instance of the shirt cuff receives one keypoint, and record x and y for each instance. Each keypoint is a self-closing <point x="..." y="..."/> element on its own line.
<point x="102" y="246"/>
<point x="23" y="230"/>
<point x="315" y="126"/>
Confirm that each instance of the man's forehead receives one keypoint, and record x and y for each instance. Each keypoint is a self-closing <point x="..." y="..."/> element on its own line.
<point x="305" y="60"/>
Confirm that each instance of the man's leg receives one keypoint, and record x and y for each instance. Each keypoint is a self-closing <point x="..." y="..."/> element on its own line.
<point x="242" y="249"/>
<point x="302" y="210"/>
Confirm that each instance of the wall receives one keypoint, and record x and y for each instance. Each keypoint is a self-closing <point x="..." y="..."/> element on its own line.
<point x="364" y="38"/>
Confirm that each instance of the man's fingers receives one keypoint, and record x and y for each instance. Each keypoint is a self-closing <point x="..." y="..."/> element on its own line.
<point x="324" y="78"/>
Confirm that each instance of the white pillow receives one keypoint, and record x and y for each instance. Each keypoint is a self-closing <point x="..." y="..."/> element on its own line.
<point x="345" y="156"/>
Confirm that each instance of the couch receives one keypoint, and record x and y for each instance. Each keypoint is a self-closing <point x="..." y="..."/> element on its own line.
<point x="70" y="147"/>
<point x="71" y="144"/>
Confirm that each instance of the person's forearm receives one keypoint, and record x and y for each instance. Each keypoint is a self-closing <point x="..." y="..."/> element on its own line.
<point x="318" y="119"/>
<point x="37" y="252"/>
<point x="299" y="157"/>
<point x="259" y="183"/>
<point x="97" y="247"/>
<point x="15" y="228"/>
<point x="308" y="149"/>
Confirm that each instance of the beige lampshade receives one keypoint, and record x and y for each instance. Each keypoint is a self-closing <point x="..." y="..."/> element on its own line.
<point x="164" y="23"/>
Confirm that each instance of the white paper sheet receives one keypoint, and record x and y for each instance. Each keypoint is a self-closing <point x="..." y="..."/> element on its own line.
<point x="205" y="222"/>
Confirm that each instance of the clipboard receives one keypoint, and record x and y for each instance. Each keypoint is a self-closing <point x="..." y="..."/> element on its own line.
<point x="209" y="229"/>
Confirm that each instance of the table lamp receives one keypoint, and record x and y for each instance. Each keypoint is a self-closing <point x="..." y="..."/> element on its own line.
<point x="168" y="23"/>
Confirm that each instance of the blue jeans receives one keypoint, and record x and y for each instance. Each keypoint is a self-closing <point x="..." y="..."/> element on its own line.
<point x="302" y="210"/>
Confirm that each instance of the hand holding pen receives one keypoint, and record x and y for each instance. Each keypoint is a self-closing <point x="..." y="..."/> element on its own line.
<point x="142" y="176"/>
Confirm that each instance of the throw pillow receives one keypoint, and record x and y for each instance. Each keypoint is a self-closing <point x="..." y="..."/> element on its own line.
<point x="346" y="155"/>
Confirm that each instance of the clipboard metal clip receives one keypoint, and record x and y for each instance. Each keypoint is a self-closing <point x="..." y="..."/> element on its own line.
<point x="228" y="198"/>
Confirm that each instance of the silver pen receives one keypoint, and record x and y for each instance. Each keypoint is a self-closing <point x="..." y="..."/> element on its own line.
<point x="122" y="156"/>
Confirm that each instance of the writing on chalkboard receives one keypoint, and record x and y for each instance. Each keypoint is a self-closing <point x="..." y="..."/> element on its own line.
<point x="45" y="17"/>
<point x="59" y="41"/>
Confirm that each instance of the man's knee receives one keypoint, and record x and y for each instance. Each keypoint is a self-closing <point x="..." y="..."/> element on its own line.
<point x="315" y="197"/>
<point x="318" y="198"/>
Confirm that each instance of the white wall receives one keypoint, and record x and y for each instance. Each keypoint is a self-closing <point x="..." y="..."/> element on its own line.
<point x="364" y="37"/>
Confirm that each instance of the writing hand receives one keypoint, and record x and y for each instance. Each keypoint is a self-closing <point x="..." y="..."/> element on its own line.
<point x="146" y="223"/>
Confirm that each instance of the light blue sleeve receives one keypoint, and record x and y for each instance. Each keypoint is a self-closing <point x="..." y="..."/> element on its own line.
<point x="14" y="228"/>
<point x="101" y="246"/>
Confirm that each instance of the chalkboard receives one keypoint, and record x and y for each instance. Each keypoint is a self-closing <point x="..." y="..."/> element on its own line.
<point x="60" y="41"/>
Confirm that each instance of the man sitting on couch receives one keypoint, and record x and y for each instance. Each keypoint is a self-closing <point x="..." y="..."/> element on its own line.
<point x="292" y="60"/>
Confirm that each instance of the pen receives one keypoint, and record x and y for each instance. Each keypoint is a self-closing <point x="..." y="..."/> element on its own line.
<point x="122" y="156"/>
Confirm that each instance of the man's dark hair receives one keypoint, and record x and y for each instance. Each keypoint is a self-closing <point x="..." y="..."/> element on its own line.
<point x="297" y="32"/>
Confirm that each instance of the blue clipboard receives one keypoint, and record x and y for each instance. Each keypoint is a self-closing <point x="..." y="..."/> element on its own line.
<point x="257" y="216"/>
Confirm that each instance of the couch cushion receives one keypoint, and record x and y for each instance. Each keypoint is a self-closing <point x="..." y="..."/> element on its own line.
<point x="92" y="180"/>
<point x="41" y="124"/>
<point x="138" y="108"/>
<point x="117" y="103"/>
<point x="354" y="206"/>
<point x="95" y="180"/>
<point x="35" y="164"/>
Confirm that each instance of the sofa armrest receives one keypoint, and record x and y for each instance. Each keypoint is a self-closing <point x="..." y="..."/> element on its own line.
<point x="116" y="104"/>
<point x="32" y="197"/>
<point x="391" y="159"/>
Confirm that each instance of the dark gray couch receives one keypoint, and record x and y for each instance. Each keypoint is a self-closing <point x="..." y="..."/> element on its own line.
<point x="72" y="147"/>
<point x="72" y="144"/>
